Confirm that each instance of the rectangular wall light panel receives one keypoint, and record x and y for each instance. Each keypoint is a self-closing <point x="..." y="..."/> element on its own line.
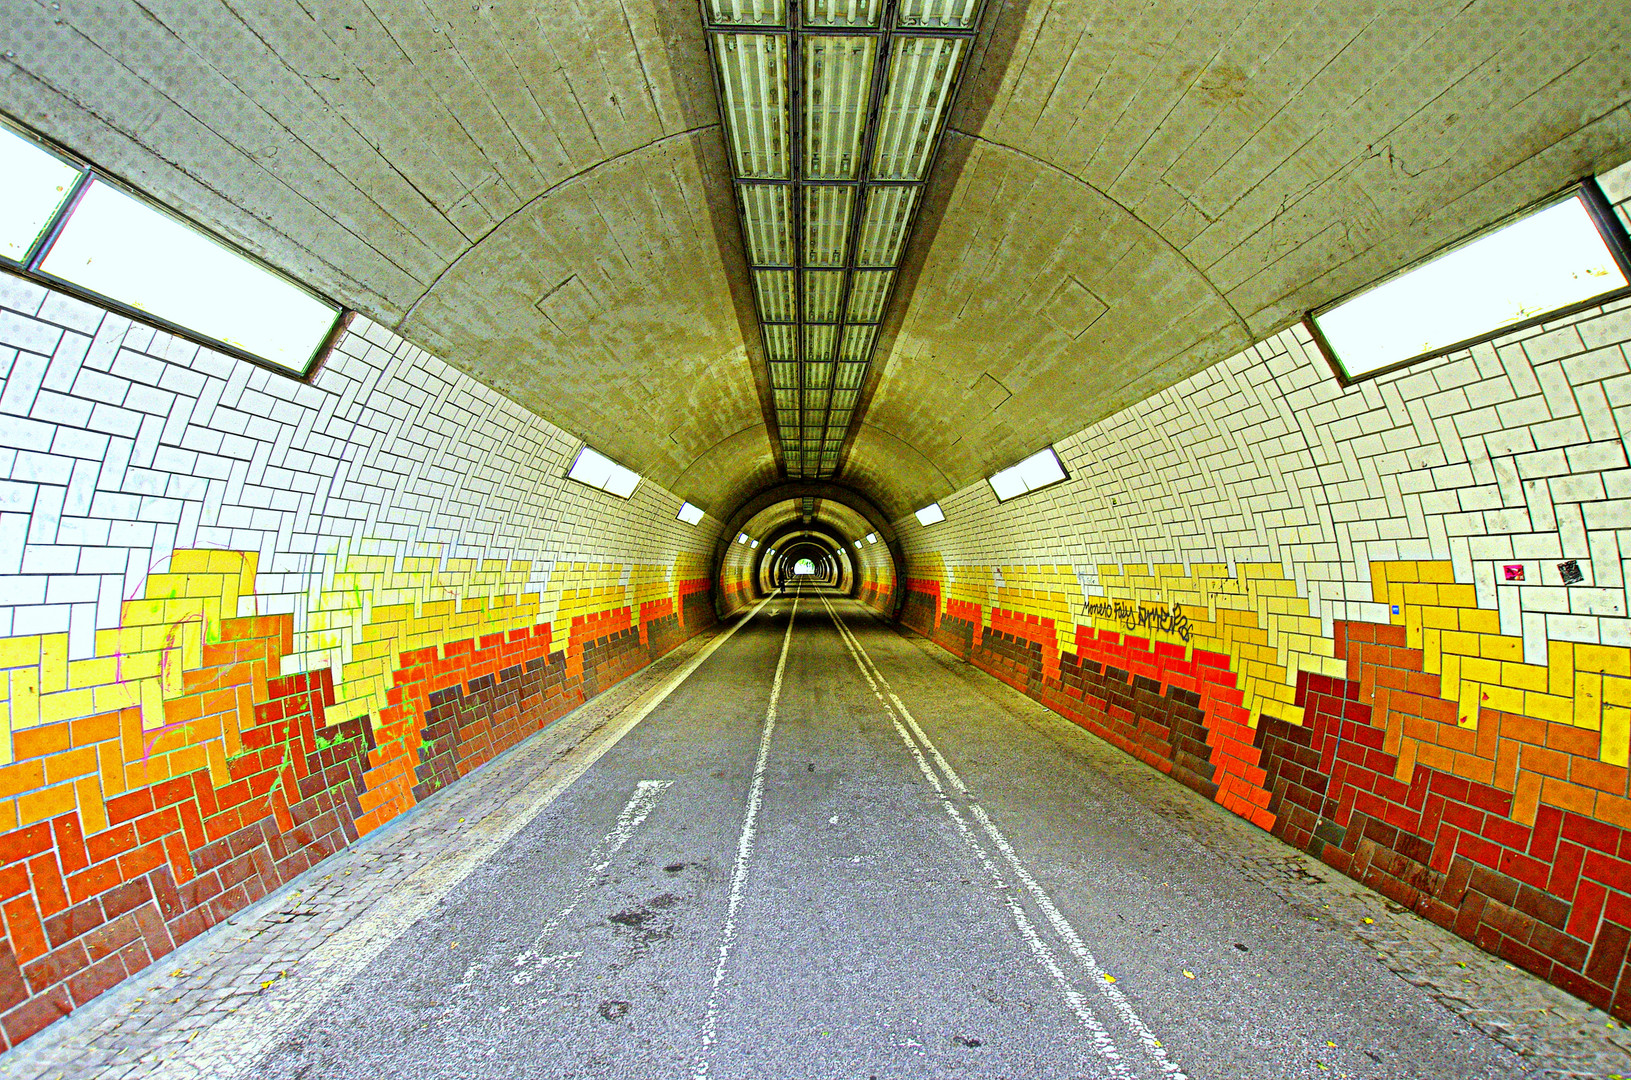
<point x="753" y="83"/>
<point x="33" y="184"/>
<point x="1555" y="258"/>
<point x="689" y="514"/>
<point x="837" y="95"/>
<point x="930" y="515"/>
<point x="599" y="471"/>
<point x="922" y="76"/>
<point x="126" y="249"/>
<point x="1037" y="471"/>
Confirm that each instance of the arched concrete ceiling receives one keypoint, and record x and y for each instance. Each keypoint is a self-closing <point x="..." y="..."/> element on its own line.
<point x="1129" y="194"/>
<point x="536" y="192"/>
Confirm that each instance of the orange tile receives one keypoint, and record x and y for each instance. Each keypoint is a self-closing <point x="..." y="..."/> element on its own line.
<point x="1526" y="798"/>
<point x="67" y="766"/>
<point x="1567" y="796"/>
<point x="91" y="729"/>
<point x="21" y="777"/>
<point x="38" y="741"/>
<point x="1572" y="740"/>
<point x="45" y="803"/>
<point x="1472" y="767"/>
<point x="1546" y="762"/>
<point x="1594" y="774"/>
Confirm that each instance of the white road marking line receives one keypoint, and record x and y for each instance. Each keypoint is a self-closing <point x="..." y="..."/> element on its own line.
<point x="744" y="851"/>
<point x="1067" y="933"/>
<point x="633" y="816"/>
<point x="231" y="1046"/>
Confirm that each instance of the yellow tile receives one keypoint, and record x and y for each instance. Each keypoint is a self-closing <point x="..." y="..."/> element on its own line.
<point x="1462" y="644"/>
<point x="1499" y="647"/>
<point x="1604" y="659"/>
<point x="1480" y="621"/>
<point x="1560" y="659"/>
<point x="1503" y="698"/>
<point x="1468" y="703"/>
<point x="1523" y="677"/>
<point x="1442" y="573"/>
<point x="1458" y="596"/>
<point x="1550" y="707"/>
<point x="20" y="651"/>
<point x="1588" y="700"/>
<point x="1616" y="740"/>
<point x="1476" y="667"/>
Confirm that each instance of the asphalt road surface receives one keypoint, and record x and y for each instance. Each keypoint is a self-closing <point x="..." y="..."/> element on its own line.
<point x="822" y="855"/>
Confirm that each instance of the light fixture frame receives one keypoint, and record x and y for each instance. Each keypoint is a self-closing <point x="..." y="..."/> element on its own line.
<point x="1602" y="215"/>
<point x="819" y="457"/>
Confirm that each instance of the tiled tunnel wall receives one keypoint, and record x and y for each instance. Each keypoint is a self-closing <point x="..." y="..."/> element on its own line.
<point x="1388" y="622"/>
<point x="247" y="619"/>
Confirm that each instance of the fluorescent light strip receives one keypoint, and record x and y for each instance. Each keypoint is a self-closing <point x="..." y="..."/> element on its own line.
<point x="857" y="344"/>
<point x="781" y="344"/>
<point x="837" y="94"/>
<point x="883" y="225"/>
<point x="827" y="212"/>
<point x="867" y="293"/>
<point x="842" y="12"/>
<point x="783" y="374"/>
<point x="786" y="397"/>
<point x="930" y="515"/>
<point x="767" y="222"/>
<point x="817" y="375"/>
<point x="753" y="81"/>
<point x="775" y="289"/>
<point x="33" y="184"/>
<point x="850" y="376"/>
<point x="822" y="289"/>
<point x="947" y="14"/>
<point x="1552" y="259"/>
<point x="844" y="400"/>
<point x="922" y="75"/>
<point x="749" y="12"/>
<point x="819" y="342"/>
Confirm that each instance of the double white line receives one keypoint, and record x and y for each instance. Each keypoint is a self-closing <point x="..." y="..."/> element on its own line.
<point x="1153" y="1055"/>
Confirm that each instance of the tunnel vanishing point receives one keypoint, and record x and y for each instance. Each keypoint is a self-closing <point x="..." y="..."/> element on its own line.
<point x="815" y="538"/>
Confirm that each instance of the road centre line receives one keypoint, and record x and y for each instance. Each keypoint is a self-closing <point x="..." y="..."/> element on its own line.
<point x="744" y="852"/>
<point x="234" y="1043"/>
<point x="1117" y="1000"/>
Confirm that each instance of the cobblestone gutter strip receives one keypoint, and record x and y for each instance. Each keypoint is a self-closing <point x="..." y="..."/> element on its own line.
<point x="1561" y="1036"/>
<point x="255" y="964"/>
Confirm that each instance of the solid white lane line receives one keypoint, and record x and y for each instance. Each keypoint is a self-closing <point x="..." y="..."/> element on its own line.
<point x="1067" y="933"/>
<point x="233" y="1045"/>
<point x="633" y="816"/>
<point x="744" y="852"/>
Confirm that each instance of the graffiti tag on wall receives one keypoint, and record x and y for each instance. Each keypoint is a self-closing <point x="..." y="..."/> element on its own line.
<point x="1147" y="617"/>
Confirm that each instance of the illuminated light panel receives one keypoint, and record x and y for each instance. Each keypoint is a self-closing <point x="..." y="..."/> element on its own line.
<point x="1552" y="259"/>
<point x="850" y="376"/>
<point x="775" y="289"/>
<point x="124" y="248"/>
<point x="930" y="515"/>
<point x="857" y="346"/>
<point x="599" y="471"/>
<point x="940" y="14"/>
<point x="786" y="397"/>
<point x="819" y="342"/>
<point x="827" y="212"/>
<point x="1037" y="471"/>
<point x="817" y="375"/>
<point x="922" y="76"/>
<point x="842" y="13"/>
<point x="867" y="292"/>
<point x="784" y="374"/>
<point x="822" y="289"/>
<point x="749" y="12"/>
<point x="837" y="94"/>
<point x="884" y="224"/>
<point x="781" y="344"/>
<point x="753" y="82"/>
<point x="872" y="538"/>
<point x="844" y="400"/>
<point x="689" y="514"/>
<point x="767" y="222"/>
<point x="33" y="184"/>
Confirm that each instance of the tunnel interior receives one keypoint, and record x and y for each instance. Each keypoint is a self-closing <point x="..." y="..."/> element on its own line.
<point x="389" y="388"/>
